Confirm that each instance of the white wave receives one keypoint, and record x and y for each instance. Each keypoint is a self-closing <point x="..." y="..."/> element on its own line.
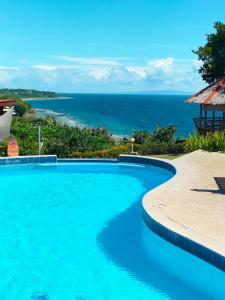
<point x="64" y="118"/>
<point x="47" y="112"/>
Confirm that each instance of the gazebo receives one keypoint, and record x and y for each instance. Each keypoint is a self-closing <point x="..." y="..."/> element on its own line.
<point x="212" y="107"/>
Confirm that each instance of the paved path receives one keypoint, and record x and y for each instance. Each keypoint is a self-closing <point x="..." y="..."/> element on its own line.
<point x="191" y="203"/>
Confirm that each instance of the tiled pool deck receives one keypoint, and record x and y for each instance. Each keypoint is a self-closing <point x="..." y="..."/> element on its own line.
<point x="189" y="209"/>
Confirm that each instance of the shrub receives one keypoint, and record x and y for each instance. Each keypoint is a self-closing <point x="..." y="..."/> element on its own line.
<point x="140" y="136"/>
<point x="161" y="148"/>
<point x="66" y="141"/>
<point x="210" y="142"/>
<point x="150" y="147"/>
<point x="164" y="134"/>
<point x="113" y="152"/>
<point x="176" y="148"/>
<point x="58" y="139"/>
<point x="22" y="107"/>
<point x="161" y="134"/>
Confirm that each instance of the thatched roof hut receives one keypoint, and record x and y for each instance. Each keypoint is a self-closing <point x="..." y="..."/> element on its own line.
<point x="211" y="98"/>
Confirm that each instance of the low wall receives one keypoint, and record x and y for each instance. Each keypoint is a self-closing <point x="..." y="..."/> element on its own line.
<point x="28" y="160"/>
<point x="74" y="160"/>
<point x="147" y="161"/>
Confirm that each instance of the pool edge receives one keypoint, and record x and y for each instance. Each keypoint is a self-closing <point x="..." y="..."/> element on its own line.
<point x="186" y="243"/>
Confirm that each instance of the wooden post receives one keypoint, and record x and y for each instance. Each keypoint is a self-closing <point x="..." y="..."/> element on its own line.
<point x="39" y="140"/>
<point x="213" y="120"/>
<point x="205" y="118"/>
<point x="201" y="116"/>
<point x="200" y="110"/>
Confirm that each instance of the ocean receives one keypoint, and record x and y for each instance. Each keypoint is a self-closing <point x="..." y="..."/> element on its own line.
<point x="121" y="114"/>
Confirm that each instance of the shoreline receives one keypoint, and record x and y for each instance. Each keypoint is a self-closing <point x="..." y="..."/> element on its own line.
<point x="63" y="118"/>
<point x="44" y="98"/>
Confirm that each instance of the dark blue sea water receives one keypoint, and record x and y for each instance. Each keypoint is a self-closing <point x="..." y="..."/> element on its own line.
<point x="120" y="113"/>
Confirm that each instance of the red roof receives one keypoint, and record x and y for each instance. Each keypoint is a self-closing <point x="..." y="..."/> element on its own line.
<point x="7" y="102"/>
<point x="214" y="94"/>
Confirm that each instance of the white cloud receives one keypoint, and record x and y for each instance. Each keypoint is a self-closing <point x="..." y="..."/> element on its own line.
<point x="7" y="74"/>
<point x="89" y="60"/>
<point x="5" y="68"/>
<point x="105" y="75"/>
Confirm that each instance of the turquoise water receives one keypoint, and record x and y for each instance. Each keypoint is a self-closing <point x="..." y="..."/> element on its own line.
<point x="75" y="232"/>
<point x="121" y="114"/>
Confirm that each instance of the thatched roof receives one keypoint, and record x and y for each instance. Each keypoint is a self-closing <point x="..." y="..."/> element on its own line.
<point x="213" y="94"/>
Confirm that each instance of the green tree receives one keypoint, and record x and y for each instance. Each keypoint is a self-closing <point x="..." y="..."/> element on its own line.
<point x="212" y="55"/>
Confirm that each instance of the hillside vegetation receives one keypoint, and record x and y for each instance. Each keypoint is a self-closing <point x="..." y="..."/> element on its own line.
<point x="26" y="93"/>
<point x="67" y="141"/>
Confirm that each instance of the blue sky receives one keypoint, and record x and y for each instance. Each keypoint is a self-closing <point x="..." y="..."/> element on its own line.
<point x="104" y="46"/>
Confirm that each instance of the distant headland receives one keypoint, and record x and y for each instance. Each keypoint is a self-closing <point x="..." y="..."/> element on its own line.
<point x="26" y="93"/>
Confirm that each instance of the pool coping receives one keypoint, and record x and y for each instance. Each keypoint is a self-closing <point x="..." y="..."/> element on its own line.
<point x="191" y="243"/>
<point x="68" y="160"/>
<point x="180" y="235"/>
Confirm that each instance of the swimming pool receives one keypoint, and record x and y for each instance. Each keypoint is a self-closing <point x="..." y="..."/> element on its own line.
<point x="75" y="231"/>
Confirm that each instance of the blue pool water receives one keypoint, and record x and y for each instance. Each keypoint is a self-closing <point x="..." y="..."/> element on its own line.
<point x="75" y="232"/>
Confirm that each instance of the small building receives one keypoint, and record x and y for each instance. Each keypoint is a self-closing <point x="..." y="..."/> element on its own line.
<point x="211" y="102"/>
<point x="6" y="112"/>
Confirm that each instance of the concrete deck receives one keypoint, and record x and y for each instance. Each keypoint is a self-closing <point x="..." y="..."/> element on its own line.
<point x="190" y="203"/>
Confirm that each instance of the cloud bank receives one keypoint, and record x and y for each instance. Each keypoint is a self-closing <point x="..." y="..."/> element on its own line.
<point x="103" y="74"/>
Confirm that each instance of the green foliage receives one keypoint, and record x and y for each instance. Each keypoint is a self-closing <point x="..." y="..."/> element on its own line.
<point x="164" y="134"/>
<point x="140" y="136"/>
<point x="160" y="141"/>
<point x="210" y="142"/>
<point x="161" y="134"/>
<point x="212" y="55"/>
<point x="113" y="152"/>
<point x="26" y="93"/>
<point x="66" y="141"/>
<point x="61" y="140"/>
<point x="157" y="147"/>
<point x="22" y="107"/>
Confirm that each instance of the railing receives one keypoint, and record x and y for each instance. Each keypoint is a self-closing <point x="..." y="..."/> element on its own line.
<point x="209" y="124"/>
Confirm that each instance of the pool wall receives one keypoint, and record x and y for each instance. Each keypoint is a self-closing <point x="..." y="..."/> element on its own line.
<point x="185" y="243"/>
<point x="18" y="160"/>
<point x="174" y="238"/>
<point x="74" y="160"/>
<point x="148" y="161"/>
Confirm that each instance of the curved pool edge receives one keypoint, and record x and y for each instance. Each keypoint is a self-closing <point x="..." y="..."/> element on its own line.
<point x="163" y="224"/>
<point x="74" y="160"/>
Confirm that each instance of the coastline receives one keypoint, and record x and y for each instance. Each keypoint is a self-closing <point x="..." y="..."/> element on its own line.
<point x="44" y="98"/>
<point x="65" y="119"/>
